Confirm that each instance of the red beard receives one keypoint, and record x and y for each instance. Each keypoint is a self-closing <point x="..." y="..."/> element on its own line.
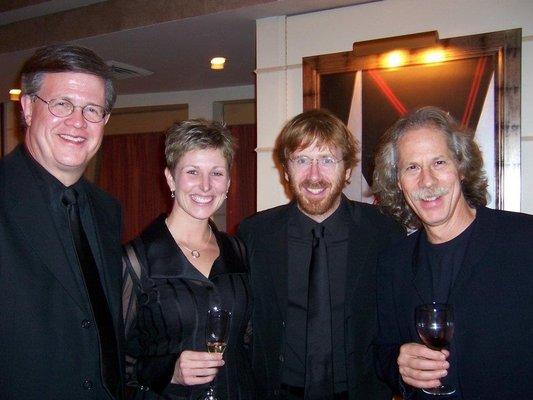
<point x="321" y="206"/>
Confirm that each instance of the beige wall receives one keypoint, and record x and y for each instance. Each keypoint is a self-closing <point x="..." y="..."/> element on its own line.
<point x="239" y="112"/>
<point x="144" y="119"/>
<point x="283" y="41"/>
<point x="200" y="103"/>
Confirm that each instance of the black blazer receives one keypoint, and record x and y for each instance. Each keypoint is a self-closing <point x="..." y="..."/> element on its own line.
<point x="49" y="344"/>
<point x="493" y="303"/>
<point x="265" y="236"/>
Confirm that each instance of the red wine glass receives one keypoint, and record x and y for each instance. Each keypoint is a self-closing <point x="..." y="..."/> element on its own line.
<point x="434" y="324"/>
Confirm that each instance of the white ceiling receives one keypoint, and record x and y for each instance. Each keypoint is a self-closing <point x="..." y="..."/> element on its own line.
<point x="177" y="52"/>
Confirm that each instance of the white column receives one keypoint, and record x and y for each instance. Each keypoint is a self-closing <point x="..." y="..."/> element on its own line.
<point x="271" y="107"/>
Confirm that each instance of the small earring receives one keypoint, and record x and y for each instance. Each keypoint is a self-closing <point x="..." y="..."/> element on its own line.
<point x="172" y="193"/>
<point x="226" y="195"/>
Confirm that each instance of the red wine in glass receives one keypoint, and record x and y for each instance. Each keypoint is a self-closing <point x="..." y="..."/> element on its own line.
<point x="434" y="324"/>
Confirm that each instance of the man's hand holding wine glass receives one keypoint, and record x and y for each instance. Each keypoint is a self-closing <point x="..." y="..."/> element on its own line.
<point x="422" y="367"/>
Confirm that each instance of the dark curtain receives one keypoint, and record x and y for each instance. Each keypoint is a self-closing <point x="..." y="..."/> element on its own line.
<point x="130" y="167"/>
<point x="242" y="196"/>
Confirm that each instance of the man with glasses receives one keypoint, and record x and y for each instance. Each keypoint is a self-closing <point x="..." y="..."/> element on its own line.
<point x="60" y="265"/>
<point x="313" y="271"/>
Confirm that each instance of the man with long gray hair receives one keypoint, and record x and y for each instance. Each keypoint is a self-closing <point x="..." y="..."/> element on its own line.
<point x="429" y="176"/>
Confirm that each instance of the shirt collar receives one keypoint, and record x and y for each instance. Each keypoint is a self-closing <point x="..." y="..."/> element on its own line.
<point x="336" y="225"/>
<point x="53" y="188"/>
<point x="166" y="260"/>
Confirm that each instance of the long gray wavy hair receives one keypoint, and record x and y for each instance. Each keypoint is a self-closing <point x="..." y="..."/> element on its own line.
<point x="461" y="144"/>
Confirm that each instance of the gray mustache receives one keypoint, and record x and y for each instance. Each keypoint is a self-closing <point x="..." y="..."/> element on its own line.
<point x="426" y="193"/>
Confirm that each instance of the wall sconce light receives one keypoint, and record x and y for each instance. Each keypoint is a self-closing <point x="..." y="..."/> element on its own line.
<point x="218" y="63"/>
<point x="14" y="94"/>
<point x="434" y="56"/>
<point x="395" y="59"/>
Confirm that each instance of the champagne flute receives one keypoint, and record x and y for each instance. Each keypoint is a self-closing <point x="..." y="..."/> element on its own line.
<point x="216" y="336"/>
<point x="434" y="324"/>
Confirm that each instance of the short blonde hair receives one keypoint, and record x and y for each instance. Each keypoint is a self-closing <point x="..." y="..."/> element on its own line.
<point x="197" y="134"/>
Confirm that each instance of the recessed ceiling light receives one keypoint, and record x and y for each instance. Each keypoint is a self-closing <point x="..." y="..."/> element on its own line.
<point x="14" y="94"/>
<point x="218" y="63"/>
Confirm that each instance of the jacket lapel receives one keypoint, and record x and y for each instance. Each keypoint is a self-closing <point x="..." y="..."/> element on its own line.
<point x="357" y="255"/>
<point x="481" y="240"/>
<point x="164" y="258"/>
<point x="32" y="217"/>
<point x="107" y="259"/>
<point x="279" y="267"/>
<point x="422" y="279"/>
<point x="271" y="251"/>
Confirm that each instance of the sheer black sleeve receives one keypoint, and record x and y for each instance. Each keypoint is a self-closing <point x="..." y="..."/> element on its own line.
<point x="131" y="288"/>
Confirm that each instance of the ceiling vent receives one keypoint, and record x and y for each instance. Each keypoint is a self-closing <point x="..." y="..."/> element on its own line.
<point x="125" y="71"/>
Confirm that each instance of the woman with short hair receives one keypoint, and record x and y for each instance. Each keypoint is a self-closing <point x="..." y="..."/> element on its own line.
<point x="179" y="268"/>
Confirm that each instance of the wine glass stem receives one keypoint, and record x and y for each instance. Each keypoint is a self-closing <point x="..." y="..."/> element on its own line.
<point x="212" y="385"/>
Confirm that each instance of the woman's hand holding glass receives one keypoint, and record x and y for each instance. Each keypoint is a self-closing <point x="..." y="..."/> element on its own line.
<point x="196" y="367"/>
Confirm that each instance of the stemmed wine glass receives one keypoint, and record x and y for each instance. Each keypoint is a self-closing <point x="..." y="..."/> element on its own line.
<point x="434" y="324"/>
<point x="216" y="336"/>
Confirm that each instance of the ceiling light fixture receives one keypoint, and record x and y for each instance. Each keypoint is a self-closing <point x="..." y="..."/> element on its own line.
<point x="218" y="63"/>
<point x="14" y="94"/>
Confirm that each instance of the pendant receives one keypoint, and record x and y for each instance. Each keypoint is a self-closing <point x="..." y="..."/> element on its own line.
<point x="195" y="253"/>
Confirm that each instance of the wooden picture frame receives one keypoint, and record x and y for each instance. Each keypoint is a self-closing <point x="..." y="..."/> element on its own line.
<point x="327" y="79"/>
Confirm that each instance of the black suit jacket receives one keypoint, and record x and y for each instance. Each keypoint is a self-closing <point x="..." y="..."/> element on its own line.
<point x="265" y="236"/>
<point x="48" y="338"/>
<point x="493" y="303"/>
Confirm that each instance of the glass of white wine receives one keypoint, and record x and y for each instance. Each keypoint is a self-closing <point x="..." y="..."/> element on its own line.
<point x="216" y="336"/>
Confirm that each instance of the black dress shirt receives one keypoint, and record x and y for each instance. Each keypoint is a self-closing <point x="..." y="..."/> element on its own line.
<point x="444" y="261"/>
<point x="299" y="245"/>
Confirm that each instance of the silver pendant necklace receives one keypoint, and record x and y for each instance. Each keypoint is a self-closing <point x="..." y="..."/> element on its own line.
<point x="195" y="253"/>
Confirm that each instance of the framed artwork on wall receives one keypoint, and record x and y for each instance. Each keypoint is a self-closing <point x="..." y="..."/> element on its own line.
<point x="476" y="78"/>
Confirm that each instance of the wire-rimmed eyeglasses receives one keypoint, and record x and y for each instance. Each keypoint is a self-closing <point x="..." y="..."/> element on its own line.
<point x="63" y="108"/>
<point x="325" y="162"/>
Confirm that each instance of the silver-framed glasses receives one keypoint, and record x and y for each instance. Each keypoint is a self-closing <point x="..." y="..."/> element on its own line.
<point x="62" y="108"/>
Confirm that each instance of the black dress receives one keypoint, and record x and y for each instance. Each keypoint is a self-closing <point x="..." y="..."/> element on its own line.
<point x="165" y="305"/>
